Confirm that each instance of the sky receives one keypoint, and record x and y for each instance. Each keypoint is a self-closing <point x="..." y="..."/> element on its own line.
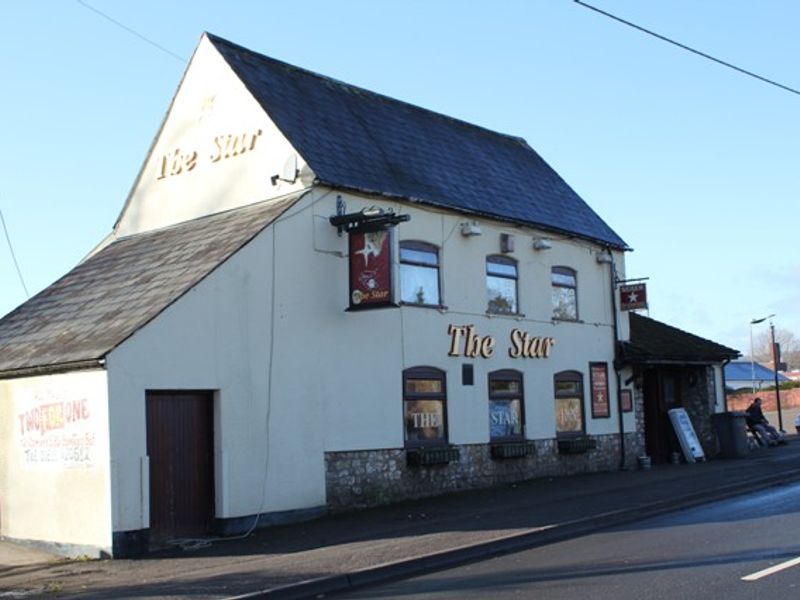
<point x="696" y="166"/>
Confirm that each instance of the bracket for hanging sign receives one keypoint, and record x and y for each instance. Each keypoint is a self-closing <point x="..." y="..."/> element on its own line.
<point x="368" y="219"/>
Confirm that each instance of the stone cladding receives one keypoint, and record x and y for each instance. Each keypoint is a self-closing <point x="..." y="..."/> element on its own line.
<point x="358" y="479"/>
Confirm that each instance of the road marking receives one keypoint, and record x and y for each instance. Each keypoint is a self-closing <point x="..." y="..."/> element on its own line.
<point x="772" y="570"/>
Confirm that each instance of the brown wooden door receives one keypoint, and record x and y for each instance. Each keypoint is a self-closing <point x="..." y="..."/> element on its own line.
<point x="180" y="447"/>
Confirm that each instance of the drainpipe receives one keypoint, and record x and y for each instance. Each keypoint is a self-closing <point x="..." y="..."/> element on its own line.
<point x="613" y="289"/>
<point x="724" y="385"/>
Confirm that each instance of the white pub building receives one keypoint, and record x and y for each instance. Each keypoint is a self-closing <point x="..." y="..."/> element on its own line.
<point x="315" y="298"/>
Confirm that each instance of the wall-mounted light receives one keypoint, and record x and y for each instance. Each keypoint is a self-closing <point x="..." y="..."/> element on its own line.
<point x="506" y="243"/>
<point x="470" y="229"/>
<point x="540" y="244"/>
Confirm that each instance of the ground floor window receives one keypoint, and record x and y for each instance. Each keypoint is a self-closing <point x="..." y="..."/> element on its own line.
<point x="505" y="405"/>
<point x="569" y="403"/>
<point x="424" y="406"/>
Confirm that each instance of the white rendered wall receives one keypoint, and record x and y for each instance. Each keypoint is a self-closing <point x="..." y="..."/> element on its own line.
<point x="219" y="337"/>
<point x="373" y="347"/>
<point x="54" y="472"/>
<point x="216" y="150"/>
<point x="326" y="379"/>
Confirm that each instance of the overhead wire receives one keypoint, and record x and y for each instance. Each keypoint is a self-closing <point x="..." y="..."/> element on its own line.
<point x="131" y="31"/>
<point x="13" y="255"/>
<point x="689" y="48"/>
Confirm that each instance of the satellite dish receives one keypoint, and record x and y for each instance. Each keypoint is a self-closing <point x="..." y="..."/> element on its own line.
<point x="289" y="171"/>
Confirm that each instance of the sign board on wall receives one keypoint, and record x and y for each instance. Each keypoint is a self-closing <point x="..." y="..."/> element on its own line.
<point x="56" y="431"/>
<point x="598" y="373"/>
<point x="626" y="400"/>
<point x="632" y="296"/>
<point x="370" y="269"/>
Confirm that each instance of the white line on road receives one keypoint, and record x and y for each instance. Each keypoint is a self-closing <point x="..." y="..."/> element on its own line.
<point x="772" y="570"/>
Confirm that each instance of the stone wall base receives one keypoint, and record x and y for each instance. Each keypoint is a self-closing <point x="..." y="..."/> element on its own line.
<point x="363" y="478"/>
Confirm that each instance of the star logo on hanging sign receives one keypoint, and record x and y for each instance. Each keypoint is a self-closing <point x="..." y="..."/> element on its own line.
<point x="633" y="298"/>
<point x="373" y="244"/>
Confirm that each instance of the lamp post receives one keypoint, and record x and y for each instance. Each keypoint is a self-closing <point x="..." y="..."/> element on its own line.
<point x="752" y="358"/>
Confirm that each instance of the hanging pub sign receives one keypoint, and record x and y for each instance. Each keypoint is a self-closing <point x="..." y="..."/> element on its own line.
<point x="598" y="374"/>
<point x="633" y="296"/>
<point x="370" y="254"/>
<point x="370" y="269"/>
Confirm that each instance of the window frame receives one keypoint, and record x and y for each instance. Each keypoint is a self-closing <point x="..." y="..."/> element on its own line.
<point x="570" y="376"/>
<point x="568" y="271"/>
<point x="507" y="375"/>
<point x="430" y="373"/>
<point x="421" y="246"/>
<point x="508" y="261"/>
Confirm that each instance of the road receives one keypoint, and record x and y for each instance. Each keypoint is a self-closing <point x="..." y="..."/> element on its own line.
<point x="699" y="553"/>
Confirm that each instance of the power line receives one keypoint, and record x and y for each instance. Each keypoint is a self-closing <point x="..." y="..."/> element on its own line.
<point x="689" y="49"/>
<point x="131" y="31"/>
<point x="13" y="256"/>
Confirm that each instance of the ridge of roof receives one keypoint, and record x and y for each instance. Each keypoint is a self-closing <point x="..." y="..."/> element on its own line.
<point x="361" y="90"/>
<point x="357" y="139"/>
<point x="108" y="297"/>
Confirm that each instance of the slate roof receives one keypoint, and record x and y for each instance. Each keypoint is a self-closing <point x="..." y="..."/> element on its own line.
<point x="101" y="302"/>
<point x="742" y="370"/>
<point x="654" y="342"/>
<point x="359" y="140"/>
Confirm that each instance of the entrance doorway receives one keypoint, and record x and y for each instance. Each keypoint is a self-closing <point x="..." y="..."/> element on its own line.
<point x="180" y="447"/>
<point x="661" y="394"/>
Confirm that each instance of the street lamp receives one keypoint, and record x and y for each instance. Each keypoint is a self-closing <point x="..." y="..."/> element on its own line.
<point x="752" y="358"/>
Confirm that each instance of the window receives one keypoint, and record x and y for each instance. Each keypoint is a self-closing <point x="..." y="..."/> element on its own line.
<point x="565" y="294"/>
<point x="419" y="273"/>
<point x="501" y="284"/>
<point x="505" y="406"/>
<point x="424" y="400"/>
<point x="569" y="403"/>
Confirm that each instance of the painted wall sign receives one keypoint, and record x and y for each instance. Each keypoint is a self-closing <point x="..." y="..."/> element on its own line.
<point x="56" y="432"/>
<point x="370" y="269"/>
<point x="598" y="373"/>
<point x="465" y="342"/>
<point x="632" y="296"/>
<point x="222" y="147"/>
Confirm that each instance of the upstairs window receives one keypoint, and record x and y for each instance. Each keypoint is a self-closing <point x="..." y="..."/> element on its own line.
<point x="501" y="285"/>
<point x="424" y="406"/>
<point x="505" y="405"/>
<point x="569" y="403"/>
<point x="419" y="274"/>
<point x="565" y="293"/>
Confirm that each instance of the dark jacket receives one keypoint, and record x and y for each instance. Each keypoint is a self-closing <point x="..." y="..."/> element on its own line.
<point x="755" y="416"/>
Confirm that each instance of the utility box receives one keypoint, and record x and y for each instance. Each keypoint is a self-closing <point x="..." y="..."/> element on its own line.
<point x="731" y="433"/>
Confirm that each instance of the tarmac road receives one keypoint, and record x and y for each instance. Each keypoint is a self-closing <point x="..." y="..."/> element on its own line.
<point x="720" y="550"/>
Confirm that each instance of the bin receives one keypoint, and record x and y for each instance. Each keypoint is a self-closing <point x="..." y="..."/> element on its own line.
<point x="731" y="433"/>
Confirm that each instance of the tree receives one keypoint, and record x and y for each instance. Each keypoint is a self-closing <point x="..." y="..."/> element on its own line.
<point x="789" y="343"/>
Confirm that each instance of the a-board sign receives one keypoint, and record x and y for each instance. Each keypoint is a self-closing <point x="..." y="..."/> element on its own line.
<point x="690" y="445"/>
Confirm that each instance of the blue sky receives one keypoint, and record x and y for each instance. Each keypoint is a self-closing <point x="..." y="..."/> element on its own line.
<point x="694" y="165"/>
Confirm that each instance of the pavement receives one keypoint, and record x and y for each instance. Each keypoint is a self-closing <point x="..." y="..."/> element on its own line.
<point x="346" y="551"/>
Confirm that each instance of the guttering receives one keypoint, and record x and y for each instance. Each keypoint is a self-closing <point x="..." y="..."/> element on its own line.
<point x="79" y="365"/>
<point x="670" y="361"/>
<point x="395" y="197"/>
